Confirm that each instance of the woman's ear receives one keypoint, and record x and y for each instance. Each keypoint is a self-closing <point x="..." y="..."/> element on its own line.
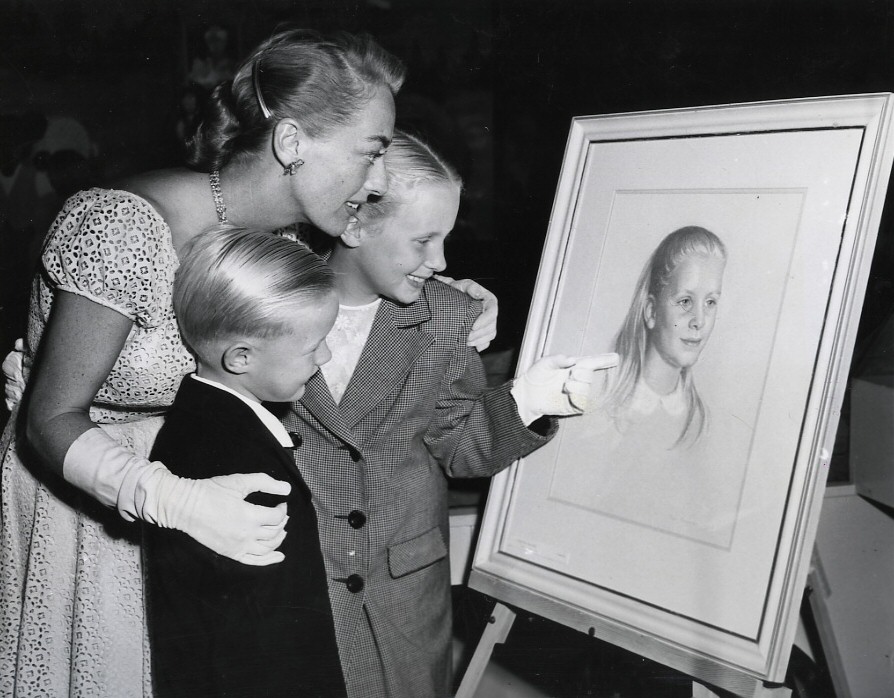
<point x="237" y="358"/>
<point x="289" y="142"/>
<point x="649" y="313"/>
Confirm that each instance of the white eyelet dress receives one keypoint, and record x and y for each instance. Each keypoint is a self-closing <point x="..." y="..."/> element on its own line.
<point x="71" y="585"/>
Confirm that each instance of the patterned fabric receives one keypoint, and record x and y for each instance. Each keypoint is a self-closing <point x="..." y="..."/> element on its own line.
<point x="416" y="408"/>
<point x="346" y="340"/>
<point x="71" y="593"/>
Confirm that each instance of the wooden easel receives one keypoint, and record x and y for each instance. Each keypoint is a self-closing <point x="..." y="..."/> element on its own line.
<point x="497" y="630"/>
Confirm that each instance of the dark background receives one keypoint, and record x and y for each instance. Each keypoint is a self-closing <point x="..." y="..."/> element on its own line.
<point x="492" y="83"/>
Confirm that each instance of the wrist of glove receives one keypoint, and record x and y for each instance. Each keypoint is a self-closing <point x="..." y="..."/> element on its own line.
<point x="213" y="511"/>
<point x="15" y="372"/>
<point x="557" y="385"/>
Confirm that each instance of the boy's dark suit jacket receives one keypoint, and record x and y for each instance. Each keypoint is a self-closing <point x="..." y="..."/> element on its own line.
<point x="219" y="627"/>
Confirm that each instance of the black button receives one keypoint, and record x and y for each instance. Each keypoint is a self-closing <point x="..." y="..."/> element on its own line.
<point x="296" y="439"/>
<point x="354" y="583"/>
<point x="357" y="519"/>
<point x="355" y="455"/>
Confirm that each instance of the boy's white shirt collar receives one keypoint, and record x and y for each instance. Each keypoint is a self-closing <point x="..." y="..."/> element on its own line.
<point x="266" y="416"/>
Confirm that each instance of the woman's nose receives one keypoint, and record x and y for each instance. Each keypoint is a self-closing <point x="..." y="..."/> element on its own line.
<point x="377" y="178"/>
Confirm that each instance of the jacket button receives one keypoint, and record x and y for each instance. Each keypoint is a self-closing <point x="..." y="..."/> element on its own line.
<point x="354" y="583"/>
<point x="357" y="519"/>
<point x="355" y="455"/>
<point x="296" y="439"/>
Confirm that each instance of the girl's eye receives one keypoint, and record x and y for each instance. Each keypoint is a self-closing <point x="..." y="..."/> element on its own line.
<point x="685" y="303"/>
<point x="711" y="302"/>
<point x="372" y="157"/>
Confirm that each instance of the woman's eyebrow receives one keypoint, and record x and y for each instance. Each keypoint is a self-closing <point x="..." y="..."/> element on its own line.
<point x="383" y="141"/>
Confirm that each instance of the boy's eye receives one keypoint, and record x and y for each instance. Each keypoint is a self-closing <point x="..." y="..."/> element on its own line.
<point x="685" y="303"/>
<point x="372" y="157"/>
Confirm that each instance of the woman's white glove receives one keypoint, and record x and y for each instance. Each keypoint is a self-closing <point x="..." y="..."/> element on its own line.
<point x="213" y="511"/>
<point x="484" y="329"/>
<point x="15" y="370"/>
<point x="557" y="385"/>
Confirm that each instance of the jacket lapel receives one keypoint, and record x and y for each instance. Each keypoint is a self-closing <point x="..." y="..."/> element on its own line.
<point x="393" y="346"/>
<point x="317" y="403"/>
<point x="229" y="413"/>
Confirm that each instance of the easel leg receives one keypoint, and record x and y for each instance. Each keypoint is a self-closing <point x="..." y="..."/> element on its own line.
<point x="494" y="634"/>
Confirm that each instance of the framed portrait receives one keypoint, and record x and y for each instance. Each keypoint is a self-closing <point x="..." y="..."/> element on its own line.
<point x="723" y="252"/>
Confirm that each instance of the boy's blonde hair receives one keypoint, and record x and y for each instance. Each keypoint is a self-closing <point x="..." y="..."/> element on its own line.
<point x="235" y="282"/>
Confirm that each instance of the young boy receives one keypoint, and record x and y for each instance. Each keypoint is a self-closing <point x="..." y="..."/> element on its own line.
<point x="254" y="310"/>
<point x="404" y="402"/>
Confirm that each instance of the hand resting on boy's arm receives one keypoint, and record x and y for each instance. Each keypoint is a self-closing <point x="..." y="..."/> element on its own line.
<point x="558" y="385"/>
<point x="69" y="371"/>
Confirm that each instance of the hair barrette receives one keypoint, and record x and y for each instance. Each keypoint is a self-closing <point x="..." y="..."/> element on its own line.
<point x="256" y="79"/>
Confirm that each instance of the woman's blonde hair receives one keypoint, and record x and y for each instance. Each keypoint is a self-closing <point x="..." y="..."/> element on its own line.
<point x="632" y="339"/>
<point x="236" y="282"/>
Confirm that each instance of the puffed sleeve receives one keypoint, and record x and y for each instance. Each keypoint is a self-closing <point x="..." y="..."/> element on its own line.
<point x="108" y="246"/>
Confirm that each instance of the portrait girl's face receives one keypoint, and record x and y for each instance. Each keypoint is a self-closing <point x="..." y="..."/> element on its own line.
<point x="680" y="320"/>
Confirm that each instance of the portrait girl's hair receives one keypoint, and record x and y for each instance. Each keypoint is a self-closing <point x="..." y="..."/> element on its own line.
<point x="632" y="339"/>
<point x="321" y="81"/>
<point x="234" y="282"/>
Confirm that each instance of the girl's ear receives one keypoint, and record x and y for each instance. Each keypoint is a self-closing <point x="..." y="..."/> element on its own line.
<point x="355" y="233"/>
<point x="649" y="313"/>
<point x="237" y="358"/>
<point x="289" y="142"/>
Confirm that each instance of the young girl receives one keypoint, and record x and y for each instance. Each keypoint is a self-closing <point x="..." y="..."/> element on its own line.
<point x="652" y="460"/>
<point x="255" y="310"/>
<point x="666" y="328"/>
<point x="402" y="403"/>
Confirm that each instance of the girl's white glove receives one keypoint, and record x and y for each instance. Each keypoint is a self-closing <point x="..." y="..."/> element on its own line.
<point x="213" y="511"/>
<point x="15" y="370"/>
<point x="557" y="385"/>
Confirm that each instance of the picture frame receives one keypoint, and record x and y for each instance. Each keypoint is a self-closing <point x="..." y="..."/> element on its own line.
<point x="691" y="544"/>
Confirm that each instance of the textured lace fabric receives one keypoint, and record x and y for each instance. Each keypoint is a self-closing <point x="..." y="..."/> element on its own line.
<point x="346" y="340"/>
<point x="71" y="588"/>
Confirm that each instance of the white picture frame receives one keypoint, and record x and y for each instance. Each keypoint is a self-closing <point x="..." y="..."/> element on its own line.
<point x="795" y="191"/>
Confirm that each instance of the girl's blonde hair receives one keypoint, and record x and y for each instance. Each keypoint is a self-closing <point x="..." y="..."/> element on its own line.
<point x="410" y="162"/>
<point x="236" y="282"/>
<point x="632" y="339"/>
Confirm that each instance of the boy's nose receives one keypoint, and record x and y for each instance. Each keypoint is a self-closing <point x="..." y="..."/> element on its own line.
<point x="323" y="354"/>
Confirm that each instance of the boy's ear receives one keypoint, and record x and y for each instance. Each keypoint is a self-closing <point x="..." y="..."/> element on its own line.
<point x="237" y="358"/>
